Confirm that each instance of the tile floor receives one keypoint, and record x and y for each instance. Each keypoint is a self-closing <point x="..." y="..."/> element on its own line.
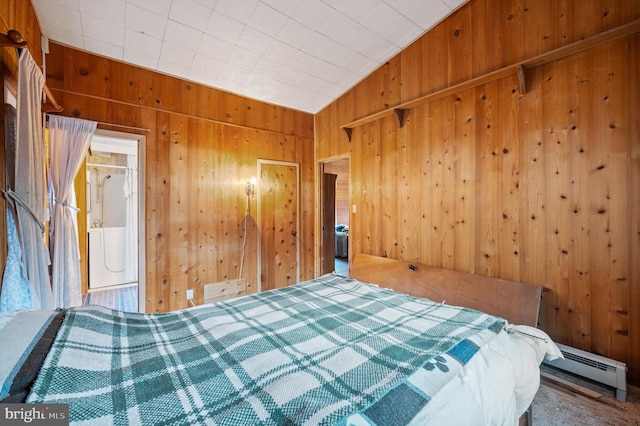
<point x="124" y="298"/>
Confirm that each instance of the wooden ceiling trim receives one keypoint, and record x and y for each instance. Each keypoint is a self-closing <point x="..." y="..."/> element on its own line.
<point x="211" y="120"/>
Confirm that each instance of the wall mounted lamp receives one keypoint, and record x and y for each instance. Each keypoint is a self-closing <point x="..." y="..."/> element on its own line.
<point x="250" y="187"/>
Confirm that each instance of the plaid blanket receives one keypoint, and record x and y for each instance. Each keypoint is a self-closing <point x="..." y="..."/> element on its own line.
<point x="327" y="351"/>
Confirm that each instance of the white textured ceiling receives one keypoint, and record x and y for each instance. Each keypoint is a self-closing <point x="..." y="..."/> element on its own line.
<point x="302" y="54"/>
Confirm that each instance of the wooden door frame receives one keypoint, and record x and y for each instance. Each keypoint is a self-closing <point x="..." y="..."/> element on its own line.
<point x="141" y="243"/>
<point x="328" y="253"/>
<point x="259" y="164"/>
<point x="318" y="250"/>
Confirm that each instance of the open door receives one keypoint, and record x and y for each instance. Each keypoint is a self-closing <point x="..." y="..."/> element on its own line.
<point x="334" y="210"/>
<point x="112" y="227"/>
<point x="279" y="252"/>
<point x="328" y="223"/>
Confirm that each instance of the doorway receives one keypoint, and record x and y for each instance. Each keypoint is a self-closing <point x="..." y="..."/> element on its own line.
<point x="335" y="216"/>
<point x="278" y="224"/>
<point x="114" y="208"/>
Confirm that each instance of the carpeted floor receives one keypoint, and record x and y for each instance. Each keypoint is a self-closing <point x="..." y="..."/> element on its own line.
<point x="558" y="406"/>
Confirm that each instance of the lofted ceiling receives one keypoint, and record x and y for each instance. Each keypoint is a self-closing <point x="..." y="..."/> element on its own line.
<point x="301" y="54"/>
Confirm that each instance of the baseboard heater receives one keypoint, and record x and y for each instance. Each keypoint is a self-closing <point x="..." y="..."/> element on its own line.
<point x="594" y="367"/>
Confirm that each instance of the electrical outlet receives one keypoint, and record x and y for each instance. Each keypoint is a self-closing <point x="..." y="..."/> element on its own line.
<point x="190" y="294"/>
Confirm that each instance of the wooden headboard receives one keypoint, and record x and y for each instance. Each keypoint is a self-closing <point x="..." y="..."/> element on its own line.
<point x="514" y="301"/>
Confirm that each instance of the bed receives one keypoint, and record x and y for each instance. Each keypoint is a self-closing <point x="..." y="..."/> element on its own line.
<point x="334" y="350"/>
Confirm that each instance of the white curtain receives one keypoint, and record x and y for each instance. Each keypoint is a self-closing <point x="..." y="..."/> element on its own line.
<point x="17" y="293"/>
<point x="69" y="141"/>
<point x="28" y="197"/>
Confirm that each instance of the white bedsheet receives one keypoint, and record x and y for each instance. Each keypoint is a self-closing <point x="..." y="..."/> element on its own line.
<point x="496" y="386"/>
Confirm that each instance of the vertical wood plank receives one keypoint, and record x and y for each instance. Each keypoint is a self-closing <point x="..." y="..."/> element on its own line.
<point x="433" y="198"/>
<point x="159" y="208"/>
<point x="633" y="108"/>
<point x="465" y="171"/>
<point x="448" y="184"/>
<point x="587" y="17"/>
<point x="410" y="160"/>
<point x="487" y="181"/>
<point x="599" y="177"/>
<point x="482" y="24"/>
<point x="532" y="220"/>
<point x="371" y="202"/>
<point x="557" y="181"/>
<point x="388" y="200"/>
<point x="307" y="231"/>
<point x="180" y="206"/>
<point x="411" y="68"/>
<point x="576" y="205"/>
<point x="613" y="95"/>
<point x="199" y="250"/>
<point x="355" y="189"/>
<point x="459" y="31"/>
<point x="509" y="239"/>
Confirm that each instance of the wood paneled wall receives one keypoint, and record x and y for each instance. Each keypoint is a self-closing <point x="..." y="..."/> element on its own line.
<point x="202" y="147"/>
<point x="19" y="15"/>
<point x="541" y="187"/>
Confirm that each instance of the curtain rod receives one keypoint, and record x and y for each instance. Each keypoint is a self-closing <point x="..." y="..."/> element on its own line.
<point x="55" y="106"/>
<point x="122" y="126"/>
<point x="13" y="38"/>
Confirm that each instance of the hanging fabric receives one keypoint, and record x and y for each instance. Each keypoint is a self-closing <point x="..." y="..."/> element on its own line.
<point x="69" y="141"/>
<point x="28" y="196"/>
<point x="17" y="293"/>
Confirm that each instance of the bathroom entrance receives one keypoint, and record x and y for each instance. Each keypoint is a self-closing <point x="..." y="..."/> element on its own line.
<point x="112" y="212"/>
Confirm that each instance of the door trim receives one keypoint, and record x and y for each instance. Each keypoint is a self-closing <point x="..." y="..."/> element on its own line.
<point x="142" y="255"/>
<point x="318" y="249"/>
<point x="328" y="253"/>
<point x="260" y="162"/>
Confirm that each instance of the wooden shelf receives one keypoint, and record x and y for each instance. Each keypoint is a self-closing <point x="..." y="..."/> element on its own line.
<point x="402" y="110"/>
<point x="520" y="69"/>
<point x="586" y="43"/>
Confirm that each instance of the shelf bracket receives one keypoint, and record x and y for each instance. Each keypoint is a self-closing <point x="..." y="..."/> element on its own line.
<point x="348" y="131"/>
<point x="401" y="116"/>
<point x="522" y="78"/>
